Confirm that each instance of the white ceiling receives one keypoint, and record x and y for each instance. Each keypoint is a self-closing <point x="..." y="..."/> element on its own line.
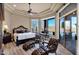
<point x="35" y="7"/>
<point x="40" y="8"/>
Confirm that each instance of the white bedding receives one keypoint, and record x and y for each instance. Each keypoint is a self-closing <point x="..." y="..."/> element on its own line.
<point x="22" y="36"/>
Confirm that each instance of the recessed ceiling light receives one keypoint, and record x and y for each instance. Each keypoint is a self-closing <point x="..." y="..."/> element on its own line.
<point x="14" y="5"/>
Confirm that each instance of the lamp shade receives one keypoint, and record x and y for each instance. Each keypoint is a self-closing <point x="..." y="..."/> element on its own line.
<point x="5" y="27"/>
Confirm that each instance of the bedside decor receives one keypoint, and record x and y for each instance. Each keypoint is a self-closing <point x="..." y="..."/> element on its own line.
<point x="6" y="37"/>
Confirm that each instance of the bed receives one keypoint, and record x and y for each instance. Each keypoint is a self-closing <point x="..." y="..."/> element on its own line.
<point x="22" y="34"/>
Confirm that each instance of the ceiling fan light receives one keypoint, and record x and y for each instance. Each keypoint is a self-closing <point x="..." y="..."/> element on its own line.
<point x="30" y="14"/>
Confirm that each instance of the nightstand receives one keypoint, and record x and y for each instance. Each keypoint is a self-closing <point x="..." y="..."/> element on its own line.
<point x="6" y="38"/>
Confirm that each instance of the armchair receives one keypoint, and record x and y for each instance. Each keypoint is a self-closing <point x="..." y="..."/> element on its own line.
<point x="51" y="46"/>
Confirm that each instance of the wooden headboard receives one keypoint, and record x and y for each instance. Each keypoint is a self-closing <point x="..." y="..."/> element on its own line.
<point x="20" y="29"/>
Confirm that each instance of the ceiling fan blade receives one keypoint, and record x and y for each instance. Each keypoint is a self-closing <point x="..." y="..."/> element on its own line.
<point x="34" y="12"/>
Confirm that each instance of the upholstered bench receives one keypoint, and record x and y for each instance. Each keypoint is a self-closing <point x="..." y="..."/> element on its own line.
<point x="39" y="51"/>
<point x="28" y="45"/>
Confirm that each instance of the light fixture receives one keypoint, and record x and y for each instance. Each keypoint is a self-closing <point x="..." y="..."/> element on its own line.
<point x="30" y="11"/>
<point x="30" y="14"/>
<point x="5" y="26"/>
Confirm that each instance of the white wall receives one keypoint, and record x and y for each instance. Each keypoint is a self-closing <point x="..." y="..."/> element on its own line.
<point x="7" y="17"/>
<point x="13" y="20"/>
<point x="18" y="20"/>
<point x="78" y="29"/>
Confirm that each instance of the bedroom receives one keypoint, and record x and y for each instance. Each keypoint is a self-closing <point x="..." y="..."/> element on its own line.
<point x="20" y="17"/>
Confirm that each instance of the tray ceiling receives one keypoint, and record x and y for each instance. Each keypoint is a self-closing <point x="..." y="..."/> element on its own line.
<point x="40" y="8"/>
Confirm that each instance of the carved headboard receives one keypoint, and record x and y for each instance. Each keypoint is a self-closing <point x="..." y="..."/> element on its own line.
<point x="20" y="29"/>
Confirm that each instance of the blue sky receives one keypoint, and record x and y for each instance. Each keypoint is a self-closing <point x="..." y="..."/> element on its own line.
<point x="51" y="22"/>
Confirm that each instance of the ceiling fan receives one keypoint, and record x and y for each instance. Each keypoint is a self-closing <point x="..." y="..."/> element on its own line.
<point x="30" y="9"/>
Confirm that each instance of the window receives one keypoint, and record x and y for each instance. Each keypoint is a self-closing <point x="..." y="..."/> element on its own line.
<point x="51" y="24"/>
<point x="34" y="25"/>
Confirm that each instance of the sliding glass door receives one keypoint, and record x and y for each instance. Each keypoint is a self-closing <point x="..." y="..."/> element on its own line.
<point x="62" y="39"/>
<point x="74" y="32"/>
<point x="68" y="32"/>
